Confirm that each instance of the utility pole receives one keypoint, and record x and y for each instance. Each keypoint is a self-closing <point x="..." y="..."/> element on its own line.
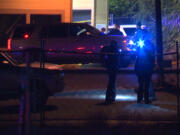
<point x="100" y="13"/>
<point x="93" y="14"/>
<point x="107" y="15"/>
<point x="159" y="42"/>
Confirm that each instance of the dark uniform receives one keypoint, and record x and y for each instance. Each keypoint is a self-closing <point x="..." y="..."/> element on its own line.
<point x="111" y="62"/>
<point x="144" y="66"/>
<point x="115" y="30"/>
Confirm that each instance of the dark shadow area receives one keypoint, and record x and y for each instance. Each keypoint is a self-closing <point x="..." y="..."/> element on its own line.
<point x="50" y="107"/>
<point x="101" y="128"/>
<point x="167" y="87"/>
<point x="6" y="96"/>
<point x="102" y="104"/>
<point x="14" y="109"/>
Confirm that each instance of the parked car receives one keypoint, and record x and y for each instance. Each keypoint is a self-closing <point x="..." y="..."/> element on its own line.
<point x="77" y="42"/>
<point x="43" y="83"/>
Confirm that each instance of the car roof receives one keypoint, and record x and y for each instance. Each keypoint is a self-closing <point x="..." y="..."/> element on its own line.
<point x="58" y="24"/>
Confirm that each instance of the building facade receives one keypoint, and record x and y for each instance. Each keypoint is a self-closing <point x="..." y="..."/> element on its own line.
<point x="30" y="8"/>
<point x="94" y="12"/>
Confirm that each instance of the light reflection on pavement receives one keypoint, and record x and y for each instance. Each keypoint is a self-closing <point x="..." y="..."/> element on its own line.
<point x="122" y="95"/>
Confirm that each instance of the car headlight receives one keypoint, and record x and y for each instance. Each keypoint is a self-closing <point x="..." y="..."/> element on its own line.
<point x="131" y="42"/>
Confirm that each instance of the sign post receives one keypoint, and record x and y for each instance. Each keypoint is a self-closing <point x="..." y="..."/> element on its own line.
<point x="159" y="43"/>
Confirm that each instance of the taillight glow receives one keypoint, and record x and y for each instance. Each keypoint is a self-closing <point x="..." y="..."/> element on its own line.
<point x="50" y="51"/>
<point x="101" y="46"/>
<point x="128" y="49"/>
<point x="89" y="52"/>
<point x="81" y="48"/>
<point x="26" y="36"/>
<point x="9" y="44"/>
<point x="125" y="41"/>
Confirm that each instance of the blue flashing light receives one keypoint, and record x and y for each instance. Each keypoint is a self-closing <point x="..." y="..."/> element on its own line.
<point x="134" y="49"/>
<point x="120" y="50"/>
<point x="140" y="43"/>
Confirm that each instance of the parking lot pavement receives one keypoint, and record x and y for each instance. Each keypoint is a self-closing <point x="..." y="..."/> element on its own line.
<point x="66" y="112"/>
<point x="88" y="105"/>
<point x="70" y="110"/>
<point x="84" y="94"/>
<point x="81" y="104"/>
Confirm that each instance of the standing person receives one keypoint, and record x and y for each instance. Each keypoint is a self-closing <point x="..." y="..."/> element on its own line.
<point x="111" y="61"/>
<point x="139" y="33"/>
<point x="103" y="30"/>
<point x="142" y="34"/>
<point x="115" y="30"/>
<point x="144" y="66"/>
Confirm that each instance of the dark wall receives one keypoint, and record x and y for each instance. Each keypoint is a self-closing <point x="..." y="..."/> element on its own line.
<point x="45" y="19"/>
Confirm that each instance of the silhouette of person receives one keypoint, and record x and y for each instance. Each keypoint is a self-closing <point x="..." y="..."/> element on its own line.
<point x="111" y="61"/>
<point x="139" y="34"/>
<point x="115" y="30"/>
<point x="103" y="30"/>
<point x="142" y="34"/>
<point x="144" y="66"/>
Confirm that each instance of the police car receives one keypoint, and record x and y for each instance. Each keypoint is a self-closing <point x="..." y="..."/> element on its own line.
<point x="128" y="31"/>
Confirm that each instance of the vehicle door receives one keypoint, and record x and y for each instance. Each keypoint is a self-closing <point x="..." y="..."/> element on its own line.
<point x="10" y="84"/>
<point x="82" y="41"/>
<point x="57" y="40"/>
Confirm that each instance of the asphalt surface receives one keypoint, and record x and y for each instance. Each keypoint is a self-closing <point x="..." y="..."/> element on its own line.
<point x="80" y="109"/>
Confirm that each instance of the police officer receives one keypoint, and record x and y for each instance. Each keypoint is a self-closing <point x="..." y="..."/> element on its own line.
<point x="144" y="66"/>
<point x="139" y="33"/>
<point x="111" y="62"/>
<point x="116" y="30"/>
<point x="103" y="31"/>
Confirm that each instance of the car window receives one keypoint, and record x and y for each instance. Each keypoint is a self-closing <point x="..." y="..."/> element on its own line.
<point x="92" y="29"/>
<point x="77" y="30"/>
<point x="81" y="29"/>
<point x="130" y="31"/>
<point x="20" y="31"/>
<point x="58" y="31"/>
